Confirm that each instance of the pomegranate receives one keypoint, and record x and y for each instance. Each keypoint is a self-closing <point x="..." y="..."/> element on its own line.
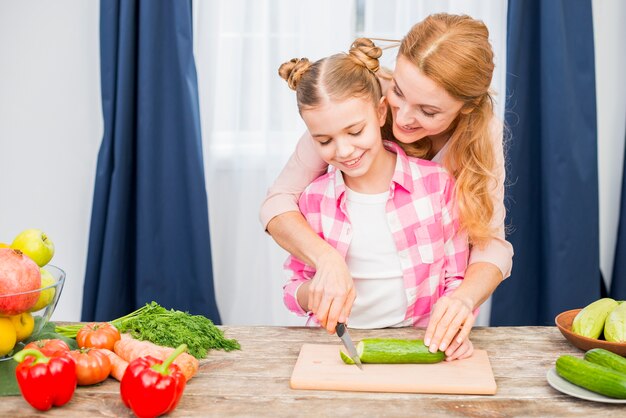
<point x="18" y="274"/>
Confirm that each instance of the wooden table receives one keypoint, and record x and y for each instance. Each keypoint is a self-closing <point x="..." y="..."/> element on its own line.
<point x="254" y="382"/>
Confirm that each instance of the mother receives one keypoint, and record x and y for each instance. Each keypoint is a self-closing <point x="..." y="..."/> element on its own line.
<point x="441" y="109"/>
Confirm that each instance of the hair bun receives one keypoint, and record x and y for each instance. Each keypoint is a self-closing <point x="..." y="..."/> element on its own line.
<point x="366" y="53"/>
<point x="292" y="70"/>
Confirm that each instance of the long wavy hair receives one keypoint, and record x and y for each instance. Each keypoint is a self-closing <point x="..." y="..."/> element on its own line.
<point x="454" y="51"/>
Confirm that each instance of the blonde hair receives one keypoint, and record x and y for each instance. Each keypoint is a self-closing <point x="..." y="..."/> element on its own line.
<point x="454" y="51"/>
<point x="337" y="77"/>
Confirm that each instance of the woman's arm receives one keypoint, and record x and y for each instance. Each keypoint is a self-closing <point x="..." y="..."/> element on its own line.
<point x="304" y="166"/>
<point x="330" y="293"/>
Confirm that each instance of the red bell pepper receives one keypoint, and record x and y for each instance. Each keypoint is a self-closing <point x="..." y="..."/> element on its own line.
<point x="150" y="387"/>
<point x="45" y="381"/>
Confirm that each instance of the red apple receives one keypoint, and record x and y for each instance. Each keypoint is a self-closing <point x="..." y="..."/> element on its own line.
<point x="18" y="274"/>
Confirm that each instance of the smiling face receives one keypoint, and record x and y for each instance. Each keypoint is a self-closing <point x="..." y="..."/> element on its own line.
<point x="419" y="106"/>
<point x="347" y="136"/>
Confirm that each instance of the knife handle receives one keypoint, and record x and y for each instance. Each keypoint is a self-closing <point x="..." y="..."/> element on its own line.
<point x="340" y="329"/>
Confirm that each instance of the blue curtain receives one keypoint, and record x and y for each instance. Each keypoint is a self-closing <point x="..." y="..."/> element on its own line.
<point x="552" y="196"/>
<point x="149" y="237"/>
<point x="618" y="281"/>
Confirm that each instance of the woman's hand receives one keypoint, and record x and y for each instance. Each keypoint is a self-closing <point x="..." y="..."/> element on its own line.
<point x="331" y="291"/>
<point x="450" y="324"/>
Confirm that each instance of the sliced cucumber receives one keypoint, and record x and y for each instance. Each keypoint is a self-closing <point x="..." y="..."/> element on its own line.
<point x="346" y="358"/>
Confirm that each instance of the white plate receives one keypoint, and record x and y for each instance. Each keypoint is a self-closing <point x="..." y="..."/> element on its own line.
<point x="562" y="385"/>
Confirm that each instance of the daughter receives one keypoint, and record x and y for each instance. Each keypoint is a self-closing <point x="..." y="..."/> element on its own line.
<point x="391" y="216"/>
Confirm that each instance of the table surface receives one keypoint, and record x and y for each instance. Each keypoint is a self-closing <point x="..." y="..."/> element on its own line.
<point x="255" y="381"/>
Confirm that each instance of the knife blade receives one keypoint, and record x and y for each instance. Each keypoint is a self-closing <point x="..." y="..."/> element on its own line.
<point x="342" y="332"/>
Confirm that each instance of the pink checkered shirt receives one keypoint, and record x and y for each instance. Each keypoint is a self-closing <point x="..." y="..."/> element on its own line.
<point x="424" y="224"/>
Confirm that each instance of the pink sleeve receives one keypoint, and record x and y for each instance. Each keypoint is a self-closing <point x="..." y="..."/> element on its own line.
<point x="304" y="166"/>
<point x="299" y="272"/>
<point x="498" y="251"/>
<point x="456" y="247"/>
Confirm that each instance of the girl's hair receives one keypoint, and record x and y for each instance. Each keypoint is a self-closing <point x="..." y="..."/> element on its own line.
<point x="336" y="78"/>
<point x="454" y="51"/>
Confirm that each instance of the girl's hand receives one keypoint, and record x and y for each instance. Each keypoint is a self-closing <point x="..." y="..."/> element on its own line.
<point x="452" y="318"/>
<point x="458" y="351"/>
<point x="331" y="291"/>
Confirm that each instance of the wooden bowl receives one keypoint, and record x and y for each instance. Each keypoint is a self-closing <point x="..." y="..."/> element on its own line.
<point x="564" y="323"/>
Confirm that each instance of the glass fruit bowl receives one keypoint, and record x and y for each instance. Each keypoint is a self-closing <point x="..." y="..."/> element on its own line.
<point x="30" y="322"/>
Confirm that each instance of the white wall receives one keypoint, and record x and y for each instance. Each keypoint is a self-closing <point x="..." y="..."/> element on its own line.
<point x="610" y="47"/>
<point x="51" y="127"/>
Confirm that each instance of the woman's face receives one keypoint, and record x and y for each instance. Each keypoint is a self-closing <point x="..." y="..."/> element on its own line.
<point x="419" y="106"/>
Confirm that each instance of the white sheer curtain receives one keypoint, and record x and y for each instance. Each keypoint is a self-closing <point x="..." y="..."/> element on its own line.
<point x="250" y="125"/>
<point x="250" y="122"/>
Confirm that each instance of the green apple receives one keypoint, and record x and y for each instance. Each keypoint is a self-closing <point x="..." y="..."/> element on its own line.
<point x="45" y="296"/>
<point x="35" y="244"/>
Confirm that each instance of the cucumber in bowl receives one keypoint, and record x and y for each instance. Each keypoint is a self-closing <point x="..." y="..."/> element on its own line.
<point x="394" y="351"/>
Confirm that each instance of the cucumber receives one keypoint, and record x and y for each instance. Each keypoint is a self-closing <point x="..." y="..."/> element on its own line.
<point x="607" y="359"/>
<point x="589" y="322"/>
<point x="394" y="351"/>
<point x="591" y="376"/>
<point x="615" y="325"/>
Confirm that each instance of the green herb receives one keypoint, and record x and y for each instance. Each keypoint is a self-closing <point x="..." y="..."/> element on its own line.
<point x="170" y="328"/>
<point x="8" y="382"/>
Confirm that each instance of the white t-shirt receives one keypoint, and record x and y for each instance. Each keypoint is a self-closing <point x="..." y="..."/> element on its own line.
<point x="374" y="264"/>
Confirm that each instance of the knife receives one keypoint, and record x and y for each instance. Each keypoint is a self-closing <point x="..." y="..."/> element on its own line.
<point x="342" y="332"/>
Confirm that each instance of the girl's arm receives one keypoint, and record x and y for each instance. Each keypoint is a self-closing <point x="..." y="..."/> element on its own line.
<point x="451" y="311"/>
<point x="300" y="276"/>
<point x="488" y="266"/>
<point x="331" y="291"/>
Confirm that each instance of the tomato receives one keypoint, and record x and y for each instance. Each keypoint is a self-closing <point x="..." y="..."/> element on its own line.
<point x="49" y="347"/>
<point x="92" y="365"/>
<point x="98" y="335"/>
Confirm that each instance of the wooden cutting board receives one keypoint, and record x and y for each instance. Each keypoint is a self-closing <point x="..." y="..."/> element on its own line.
<point x="319" y="367"/>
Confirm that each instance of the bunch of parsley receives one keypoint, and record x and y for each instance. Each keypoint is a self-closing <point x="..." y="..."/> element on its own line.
<point x="170" y="328"/>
